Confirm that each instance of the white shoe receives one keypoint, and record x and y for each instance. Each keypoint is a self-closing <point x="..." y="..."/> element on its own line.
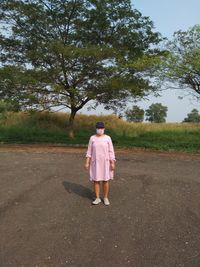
<point x="96" y="201"/>
<point x="106" y="201"/>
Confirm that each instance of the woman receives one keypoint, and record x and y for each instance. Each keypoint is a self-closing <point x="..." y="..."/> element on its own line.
<point x="100" y="159"/>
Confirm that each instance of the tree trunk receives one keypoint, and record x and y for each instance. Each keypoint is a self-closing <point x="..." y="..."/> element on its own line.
<point x="71" y="123"/>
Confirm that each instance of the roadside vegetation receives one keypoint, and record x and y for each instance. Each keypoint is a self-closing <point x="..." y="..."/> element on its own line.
<point x="48" y="127"/>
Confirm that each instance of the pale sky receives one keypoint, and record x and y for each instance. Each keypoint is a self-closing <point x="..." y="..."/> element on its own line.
<point x="168" y="17"/>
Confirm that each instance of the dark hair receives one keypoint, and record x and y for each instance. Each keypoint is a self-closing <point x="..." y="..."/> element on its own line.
<point x="100" y="125"/>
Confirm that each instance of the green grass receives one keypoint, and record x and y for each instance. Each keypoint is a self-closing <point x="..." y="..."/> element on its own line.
<point x="45" y="127"/>
<point x="23" y="135"/>
<point x="165" y="140"/>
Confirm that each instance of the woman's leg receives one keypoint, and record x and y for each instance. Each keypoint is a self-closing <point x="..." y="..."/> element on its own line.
<point x="97" y="189"/>
<point x="105" y="188"/>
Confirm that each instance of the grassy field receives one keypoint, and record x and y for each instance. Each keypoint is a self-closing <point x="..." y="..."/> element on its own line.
<point x="46" y="127"/>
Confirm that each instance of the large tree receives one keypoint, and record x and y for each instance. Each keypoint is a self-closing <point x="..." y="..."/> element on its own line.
<point x="156" y="113"/>
<point x="67" y="53"/>
<point x="193" y="116"/>
<point x="181" y="66"/>
<point x="135" y="114"/>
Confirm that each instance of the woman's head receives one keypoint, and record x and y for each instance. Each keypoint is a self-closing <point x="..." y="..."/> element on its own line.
<point x="100" y="128"/>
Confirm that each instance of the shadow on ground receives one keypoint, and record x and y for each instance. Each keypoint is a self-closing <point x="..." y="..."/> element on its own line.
<point x="78" y="189"/>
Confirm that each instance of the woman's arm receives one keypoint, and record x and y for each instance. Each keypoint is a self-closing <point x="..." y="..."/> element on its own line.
<point x="87" y="163"/>
<point x="112" y="164"/>
<point x="111" y="154"/>
<point x="88" y="154"/>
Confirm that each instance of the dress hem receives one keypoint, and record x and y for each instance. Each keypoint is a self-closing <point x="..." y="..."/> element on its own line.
<point x="92" y="180"/>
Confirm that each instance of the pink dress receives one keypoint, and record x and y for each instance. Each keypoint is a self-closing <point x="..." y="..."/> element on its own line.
<point x="101" y="151"/>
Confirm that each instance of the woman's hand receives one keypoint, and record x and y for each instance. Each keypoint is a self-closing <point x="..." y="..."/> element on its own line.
<point x="87" y="165"/>
<point x="112" y="165"/>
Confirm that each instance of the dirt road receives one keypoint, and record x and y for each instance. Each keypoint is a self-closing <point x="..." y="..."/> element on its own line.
<point x="47" y="220"/>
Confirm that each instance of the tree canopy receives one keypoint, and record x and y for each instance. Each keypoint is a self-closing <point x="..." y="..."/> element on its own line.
<point x="182" y="64"/>
<point x="193" y="116"/>
<point x="135" y="114"/>
<point x="156" y="113"/>
<point x="67" y="53"/>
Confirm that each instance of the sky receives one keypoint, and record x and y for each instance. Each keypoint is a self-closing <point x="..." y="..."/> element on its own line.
<point x="168" y="17"/>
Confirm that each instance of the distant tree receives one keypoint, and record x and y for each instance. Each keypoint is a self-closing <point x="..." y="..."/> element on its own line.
<point x="6" y="106"/>
<point x="156" y="113"/>
<point x="67" y="53"/>
<point x="181" y="65"/>
<point x="194" y="116"/>
<point x="136" y="114"/>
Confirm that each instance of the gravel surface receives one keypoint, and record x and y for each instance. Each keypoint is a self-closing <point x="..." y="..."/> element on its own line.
<point x="47" y="220"/>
